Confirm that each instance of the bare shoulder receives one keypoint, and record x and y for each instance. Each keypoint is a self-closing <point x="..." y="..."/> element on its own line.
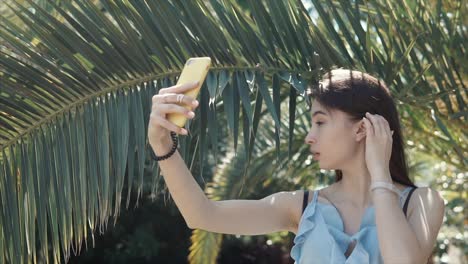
<point x="289" y="203"/>
<point x="296" y="208"/>
<point x="292" y="202"/>
<point x="297" y="202"/>
<point x="426" y="212"/>
<point x="426" y="197"/>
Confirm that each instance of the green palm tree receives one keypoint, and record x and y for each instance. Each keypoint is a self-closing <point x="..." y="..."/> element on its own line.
<point x="76" y="87"/>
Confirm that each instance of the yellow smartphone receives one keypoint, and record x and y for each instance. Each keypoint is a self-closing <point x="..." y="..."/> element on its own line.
<point x="195" y="69"/>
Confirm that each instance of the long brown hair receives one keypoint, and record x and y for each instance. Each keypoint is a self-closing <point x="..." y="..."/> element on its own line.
<point x="356" y="93"/>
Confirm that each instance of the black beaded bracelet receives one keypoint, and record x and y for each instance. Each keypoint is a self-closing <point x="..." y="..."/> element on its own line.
<point x="174" y="148"/>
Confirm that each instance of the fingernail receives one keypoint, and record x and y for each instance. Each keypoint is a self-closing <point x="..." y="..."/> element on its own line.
<point x="195" y="103"/>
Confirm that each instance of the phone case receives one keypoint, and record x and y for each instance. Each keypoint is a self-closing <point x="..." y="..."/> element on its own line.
<point x="195" y="69"/>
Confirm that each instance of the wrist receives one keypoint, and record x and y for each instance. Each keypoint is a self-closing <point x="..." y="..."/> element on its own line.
<point x="381" y="176"/>
<point x="162" y="145"/>
<point x="381" y="187"/>
<point x="381" y="193"/>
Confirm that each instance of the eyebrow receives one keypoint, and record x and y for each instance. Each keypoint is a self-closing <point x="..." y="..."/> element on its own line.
<point x="318" y="112"/>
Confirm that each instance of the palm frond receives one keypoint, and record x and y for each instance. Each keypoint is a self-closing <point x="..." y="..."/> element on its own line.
<point x="262" y="172"/>
<point x="76" y="83"/>
<point x="76" y="97"/>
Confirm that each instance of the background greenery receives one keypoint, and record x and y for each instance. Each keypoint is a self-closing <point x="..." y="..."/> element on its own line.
<point x="76" y="78"/>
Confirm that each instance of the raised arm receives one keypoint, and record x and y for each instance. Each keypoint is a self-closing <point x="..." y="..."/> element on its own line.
<point x="273" y="213"/>
<point x="187" y="194"/>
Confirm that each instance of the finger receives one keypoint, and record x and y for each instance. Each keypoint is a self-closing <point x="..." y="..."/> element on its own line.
<point x="173" y="98"/>
<point x="169" y="125"/>
<point x="380" y="126"/>
<point x="385" y="126"/>
<point x="369" y="128"/>
<point x="179" y="88"/>
<point x="164" y="109"/>
<point x="373" y="120"/>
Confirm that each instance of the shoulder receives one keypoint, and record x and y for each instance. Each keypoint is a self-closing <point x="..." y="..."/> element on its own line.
<point x="295" y="206"/>
<point x="298" y="200"/>
<point x="426" y="198"/>
<point x="426" y="211"/>
<point x="290" y="204"/>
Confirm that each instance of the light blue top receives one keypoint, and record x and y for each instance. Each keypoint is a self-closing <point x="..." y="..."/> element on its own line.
<point x="321" y="237"/>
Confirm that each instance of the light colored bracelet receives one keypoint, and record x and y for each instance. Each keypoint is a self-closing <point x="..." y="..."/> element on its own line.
<point x="385" y="185"/>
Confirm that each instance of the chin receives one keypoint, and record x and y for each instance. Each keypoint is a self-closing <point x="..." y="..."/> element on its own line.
<point x="324" y="166"/>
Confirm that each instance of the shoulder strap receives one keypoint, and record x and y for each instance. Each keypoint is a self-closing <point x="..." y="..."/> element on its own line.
<point x="306" y="200"/>
<point x="405" y="207"/>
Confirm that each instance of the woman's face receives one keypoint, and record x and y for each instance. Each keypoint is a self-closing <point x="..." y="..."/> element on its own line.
<point x="334" y="136"/>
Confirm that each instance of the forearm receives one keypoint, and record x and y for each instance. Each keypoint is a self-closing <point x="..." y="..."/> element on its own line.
<point x="397" y="241"/>
<point x="186" y="192"/>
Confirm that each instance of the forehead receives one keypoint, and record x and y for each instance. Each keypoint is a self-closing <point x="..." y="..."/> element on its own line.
<point x="316" y="104"/>
<point x="318" y="110"/>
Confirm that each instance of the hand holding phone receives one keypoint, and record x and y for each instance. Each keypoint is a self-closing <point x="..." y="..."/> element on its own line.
<point x="172" y="106"/>
<point x="195" y="69"/>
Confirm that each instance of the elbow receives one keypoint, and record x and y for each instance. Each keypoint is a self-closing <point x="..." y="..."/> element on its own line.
<point x="190" y="225"/>
<point x="198" y="219"/>
<point x="193" y="224"/>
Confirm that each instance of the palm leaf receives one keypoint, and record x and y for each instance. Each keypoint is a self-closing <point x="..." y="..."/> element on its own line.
<point x="272" y="165"/>
<point x="77" y="81"/>
<point x="78" y="99"/>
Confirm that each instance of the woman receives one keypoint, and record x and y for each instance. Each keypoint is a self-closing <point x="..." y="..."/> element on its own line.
<point x="366" y="216"/>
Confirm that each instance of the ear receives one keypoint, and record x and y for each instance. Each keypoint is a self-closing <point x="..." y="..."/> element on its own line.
<point x="360" y="131"/>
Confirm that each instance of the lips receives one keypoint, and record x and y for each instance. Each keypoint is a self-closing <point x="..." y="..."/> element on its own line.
<point x="316" y="155"/>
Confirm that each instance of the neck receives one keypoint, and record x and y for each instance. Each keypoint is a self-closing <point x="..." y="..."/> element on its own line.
<point x="354" y="186"/>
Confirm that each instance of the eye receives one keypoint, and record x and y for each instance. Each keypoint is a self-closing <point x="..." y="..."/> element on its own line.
<point x="319" y="123"/>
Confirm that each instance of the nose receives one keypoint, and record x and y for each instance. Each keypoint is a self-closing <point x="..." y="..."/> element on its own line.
<point x="310" y="138"/>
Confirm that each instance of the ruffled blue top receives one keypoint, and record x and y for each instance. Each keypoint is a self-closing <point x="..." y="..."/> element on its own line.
<point x="321" y="237"/>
